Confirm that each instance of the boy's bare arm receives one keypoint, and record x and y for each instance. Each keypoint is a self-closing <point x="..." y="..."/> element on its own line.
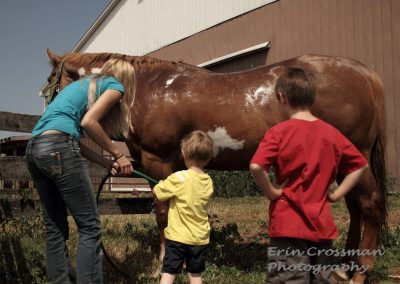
<point x="347" y="184"/>
<point x="262" y="180"/>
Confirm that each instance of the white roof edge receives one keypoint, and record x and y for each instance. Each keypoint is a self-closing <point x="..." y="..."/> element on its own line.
<point x="95" y="25"/>
<point x="232" y="55"/>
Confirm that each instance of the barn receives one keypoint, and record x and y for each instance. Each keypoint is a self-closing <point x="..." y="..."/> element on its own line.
<point x="233" y="35"/>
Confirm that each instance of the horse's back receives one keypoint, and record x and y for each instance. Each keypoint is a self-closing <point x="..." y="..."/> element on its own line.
<point x="349" y="95"/>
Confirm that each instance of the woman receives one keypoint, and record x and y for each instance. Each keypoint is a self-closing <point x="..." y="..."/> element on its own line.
<point x="99" y="105"/>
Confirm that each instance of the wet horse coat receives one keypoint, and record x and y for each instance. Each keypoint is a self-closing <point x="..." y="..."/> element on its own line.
<point x="236" y="109"/>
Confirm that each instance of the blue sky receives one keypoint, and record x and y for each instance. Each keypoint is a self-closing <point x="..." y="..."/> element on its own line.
<point x="27" y="28"/>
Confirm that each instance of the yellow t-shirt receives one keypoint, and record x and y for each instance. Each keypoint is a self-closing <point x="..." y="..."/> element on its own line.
<point x="189" y="193"/>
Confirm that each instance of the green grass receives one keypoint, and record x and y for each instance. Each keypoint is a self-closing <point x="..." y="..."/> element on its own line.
<point x="237" y="251"/>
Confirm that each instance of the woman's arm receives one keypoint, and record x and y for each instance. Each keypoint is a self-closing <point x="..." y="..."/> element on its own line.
<point x="98" y="159"/>
<point x="92" y="126"/>
<point x="347" y="184"/>
<point x="262" y="180"/>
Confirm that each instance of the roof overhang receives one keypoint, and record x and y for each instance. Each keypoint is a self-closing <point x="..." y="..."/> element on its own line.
<point x="235" y="54"/>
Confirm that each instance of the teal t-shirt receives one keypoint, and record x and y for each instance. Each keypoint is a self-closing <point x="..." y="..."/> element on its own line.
<point x="66" y="111"/>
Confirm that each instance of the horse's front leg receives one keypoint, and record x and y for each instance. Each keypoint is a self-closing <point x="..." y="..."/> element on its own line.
<point x="371" y="202"/>
<point x="162" y="222"/>
<point x="158" y="169"/>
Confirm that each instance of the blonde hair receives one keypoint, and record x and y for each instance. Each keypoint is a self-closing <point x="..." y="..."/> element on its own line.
<point x="117" y="122"/>
<point x="197" y="146"/>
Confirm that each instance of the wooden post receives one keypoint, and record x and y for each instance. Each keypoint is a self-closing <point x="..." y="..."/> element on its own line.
<point x="114" y="206"/>
<point x="14" y="169"/>
<point x="17" y="122"/>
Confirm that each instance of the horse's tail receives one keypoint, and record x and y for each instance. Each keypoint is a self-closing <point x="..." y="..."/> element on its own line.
<point x="378" y="152"/>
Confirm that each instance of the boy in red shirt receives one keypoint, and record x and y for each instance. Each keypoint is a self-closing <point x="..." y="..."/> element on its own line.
<point x="307" y="154"/>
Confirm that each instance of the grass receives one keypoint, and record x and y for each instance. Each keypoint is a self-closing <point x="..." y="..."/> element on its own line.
<point x="237" y="251"/>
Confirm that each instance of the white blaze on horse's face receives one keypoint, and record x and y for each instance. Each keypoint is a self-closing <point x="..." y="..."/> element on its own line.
<point x="262" y="96"/>
<point x="81" y="71"/>
<point x="223" y="140"/>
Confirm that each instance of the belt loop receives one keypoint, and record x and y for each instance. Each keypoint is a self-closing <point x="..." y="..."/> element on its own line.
<point x="30" y="141"/>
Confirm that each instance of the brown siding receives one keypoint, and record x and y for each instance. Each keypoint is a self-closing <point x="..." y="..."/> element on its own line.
<point x="366" y="30"/>
<point x="395" y="32"/>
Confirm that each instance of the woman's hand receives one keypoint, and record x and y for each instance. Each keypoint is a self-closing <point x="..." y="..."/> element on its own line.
<point x="124" y="166"/>
<point x="113" y="168"/>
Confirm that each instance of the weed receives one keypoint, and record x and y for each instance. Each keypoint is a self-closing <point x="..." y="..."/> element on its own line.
<point x="230" y="184"/>
<point x="237" y="254"/>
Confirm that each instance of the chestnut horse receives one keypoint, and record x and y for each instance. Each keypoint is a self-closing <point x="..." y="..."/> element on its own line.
<point x="236" y="109"/>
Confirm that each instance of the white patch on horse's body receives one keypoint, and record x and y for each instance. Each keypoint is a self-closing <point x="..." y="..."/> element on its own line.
<point x="96" y="70"/>
<point x="170" y="98"/>
<point x="194" y="98"/>
<point x="274" y="71"/>
<point x="223" y="140"/>
<point x="262" y="96"/>
<point x="81" y="71"/>
<point x="170" y="81"/>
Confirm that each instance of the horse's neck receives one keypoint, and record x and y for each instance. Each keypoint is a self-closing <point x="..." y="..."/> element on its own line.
<point x="145" y="65"/>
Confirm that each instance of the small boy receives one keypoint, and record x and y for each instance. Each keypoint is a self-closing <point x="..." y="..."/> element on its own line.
<point x="307" y="155"/>
<point x="188" y="230"/>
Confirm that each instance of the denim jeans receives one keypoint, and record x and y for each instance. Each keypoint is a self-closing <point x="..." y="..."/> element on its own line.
<point x="58" y="171"/>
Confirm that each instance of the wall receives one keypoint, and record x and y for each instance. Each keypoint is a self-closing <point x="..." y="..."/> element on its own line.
<point x="366" y="30"/>
<point x="137" y="27"/>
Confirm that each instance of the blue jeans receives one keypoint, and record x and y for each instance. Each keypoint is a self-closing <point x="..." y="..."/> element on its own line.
<point x="57" y="168"/>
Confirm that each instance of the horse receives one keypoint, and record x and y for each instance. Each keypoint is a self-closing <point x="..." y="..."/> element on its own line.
<point x="235" y="109"/>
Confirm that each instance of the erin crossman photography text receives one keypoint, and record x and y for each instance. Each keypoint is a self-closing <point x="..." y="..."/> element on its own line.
<point x="313" y="251"/>
<point x="317" y="268"/>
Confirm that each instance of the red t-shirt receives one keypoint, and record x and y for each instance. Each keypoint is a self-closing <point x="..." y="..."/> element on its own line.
<point x="309" y="155"/>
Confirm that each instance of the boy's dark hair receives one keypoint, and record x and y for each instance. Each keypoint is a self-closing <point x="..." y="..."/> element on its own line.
<point x="197" y="146"/>
<point x="296" y="85"/>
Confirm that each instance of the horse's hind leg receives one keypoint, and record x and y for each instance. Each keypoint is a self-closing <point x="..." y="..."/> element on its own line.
<point x="371" y="201"/>
<point x="354" y="232"/>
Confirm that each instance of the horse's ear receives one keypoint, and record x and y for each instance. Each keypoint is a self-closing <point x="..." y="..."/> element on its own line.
<point x="54" y="58"/>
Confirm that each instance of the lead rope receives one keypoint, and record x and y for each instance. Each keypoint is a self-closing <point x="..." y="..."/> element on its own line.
<point x="103" y="181"/>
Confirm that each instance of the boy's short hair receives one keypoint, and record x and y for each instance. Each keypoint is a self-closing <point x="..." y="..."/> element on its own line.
<point x="197" y="146"/>
<point x="296" y="85"/>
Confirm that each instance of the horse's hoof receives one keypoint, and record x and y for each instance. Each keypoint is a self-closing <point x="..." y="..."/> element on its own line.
<point x="358" y="278"/>
<point x="339" y="275"/>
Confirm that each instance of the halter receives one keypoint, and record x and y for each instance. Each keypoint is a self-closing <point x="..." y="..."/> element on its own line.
<point x="56" y="82"/>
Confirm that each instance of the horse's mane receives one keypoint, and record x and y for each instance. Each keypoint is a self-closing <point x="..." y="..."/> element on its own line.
<point x="86" y="58"/>
<point x="143" y="62"/>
